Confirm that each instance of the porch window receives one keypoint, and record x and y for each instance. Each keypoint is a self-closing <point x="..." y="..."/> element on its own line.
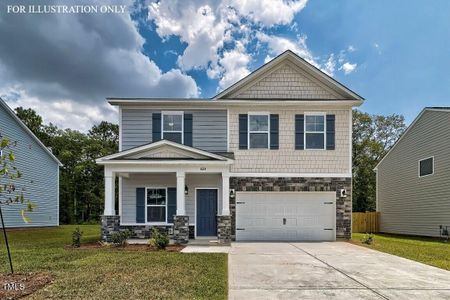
<point x="172" y="126"/>
<point x="258" y="131"/>
<point x="156" y="204"/>
<point x="315" y="131"/>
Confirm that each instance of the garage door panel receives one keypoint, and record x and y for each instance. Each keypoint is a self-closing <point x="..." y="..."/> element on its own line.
<point x="285" y="216"/>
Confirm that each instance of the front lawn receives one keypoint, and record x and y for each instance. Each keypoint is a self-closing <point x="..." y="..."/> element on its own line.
<point x="111" y="274"/>
<point x="425" y="250"/>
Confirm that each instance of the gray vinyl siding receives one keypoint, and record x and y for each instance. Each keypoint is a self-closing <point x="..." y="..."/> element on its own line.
<point x="209" y="128"/>
<point x="129" y="185"/>
<point x="409" y="204"/>
<point x="40" y="177"/>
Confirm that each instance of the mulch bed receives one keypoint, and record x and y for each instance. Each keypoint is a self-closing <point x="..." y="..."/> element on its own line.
<point x="18" y="285"/>
<point x="131" y="247"/>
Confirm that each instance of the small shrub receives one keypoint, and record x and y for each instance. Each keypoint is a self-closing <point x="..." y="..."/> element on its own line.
<point x="120" y="238"/>
<point x="76" y="237"/>
<point x="159" y="240"/>
<point x="367" y="239"/>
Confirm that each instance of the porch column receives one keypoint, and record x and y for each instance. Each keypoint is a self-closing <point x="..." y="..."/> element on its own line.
<point x="225" y="195"/>
<point x="224" y="220"/>
<point x="181" y="203"/>
<point x="109" y="193"/>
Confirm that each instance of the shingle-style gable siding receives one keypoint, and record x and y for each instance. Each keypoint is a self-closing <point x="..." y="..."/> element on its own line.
<point x="409" y="204"/>
<point x="285" y="82"/>
<point x="209" y="128"/>
<point x="40" y="177"/>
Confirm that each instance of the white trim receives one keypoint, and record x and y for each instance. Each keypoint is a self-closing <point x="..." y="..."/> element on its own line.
<point x="27" y="130"/>
<point x="57" y="195"/>
<point x="326" y="175"/>
<point x="350" y="167"/>
<point x="156" y="145"/>
<point x="146" y="205"/>
<point x="173" y="113"/>
<point x="407" y="130"/>
<point x="120" y="128"/>
<point x="164" y="162"/>
<point x="120" y="198"/>
<point x="152" y="224"/>
<point x="224" y="103"/>
<point x="195" y="206"/>
<point x="250" y="131"/>
<point x="376" y="191"/>
<point x="324" y="115"/>
<point x="420" y="160"/>
<point x="228" y="130"/>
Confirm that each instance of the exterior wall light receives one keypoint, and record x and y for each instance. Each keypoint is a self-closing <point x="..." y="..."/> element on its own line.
<point x="186" y="190"/>
<point x="232" y="193"/>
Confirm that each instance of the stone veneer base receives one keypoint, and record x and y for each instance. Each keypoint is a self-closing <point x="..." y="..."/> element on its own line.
<point x="299" y="184"/>
<point x="181" y="229"/>
<point x="224" y="229"/>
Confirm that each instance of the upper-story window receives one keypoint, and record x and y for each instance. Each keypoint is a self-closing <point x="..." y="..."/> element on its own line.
<point x="172" y="126"/>
<point x="258" y="131"/>
<point x="426" y="166"/>
<point x="314" y="131"/>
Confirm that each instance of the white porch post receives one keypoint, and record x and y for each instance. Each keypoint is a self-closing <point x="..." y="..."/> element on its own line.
<point x="225" y="195"/>
<point x="109" y="193"/>
<point x="181" y="203"/>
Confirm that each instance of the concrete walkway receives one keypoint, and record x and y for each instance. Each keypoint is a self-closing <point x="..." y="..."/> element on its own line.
<point x="327" y="270"/>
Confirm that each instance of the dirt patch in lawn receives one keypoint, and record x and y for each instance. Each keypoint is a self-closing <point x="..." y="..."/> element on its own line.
<point x="131" y="247"/>
<point x="18" y="285"/>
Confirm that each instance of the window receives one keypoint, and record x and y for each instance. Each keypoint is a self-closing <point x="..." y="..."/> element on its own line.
<point x="314" y="131"/>
<point x="258" y="131"/>
<point x="426" y="166"/>
<point x="156" y="204"/>
<point x="172" y="126"/>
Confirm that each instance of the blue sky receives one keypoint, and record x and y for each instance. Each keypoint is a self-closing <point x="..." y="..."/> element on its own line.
<point x="396" y="54"/>
<point x="402" y="51"/>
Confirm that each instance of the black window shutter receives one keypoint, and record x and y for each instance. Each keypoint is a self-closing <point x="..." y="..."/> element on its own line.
<point x="140" y="205"/>
<point x="299" y="132"/>
<point x="273" y="131"/>
<point x="171" y="203"/>
<point x="330" y="132"/>
<point x="188" y="129"/>
<point x="156" y="127"/>
<point x="243" y="138"/>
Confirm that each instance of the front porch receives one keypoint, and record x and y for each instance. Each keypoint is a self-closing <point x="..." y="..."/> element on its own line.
<point x="186" y="197"/>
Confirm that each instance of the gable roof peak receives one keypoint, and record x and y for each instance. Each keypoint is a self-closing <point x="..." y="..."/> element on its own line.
<point x="325" y="81"/>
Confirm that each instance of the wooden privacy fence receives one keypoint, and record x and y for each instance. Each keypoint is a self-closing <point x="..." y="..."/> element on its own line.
<point x="366" y="222"/>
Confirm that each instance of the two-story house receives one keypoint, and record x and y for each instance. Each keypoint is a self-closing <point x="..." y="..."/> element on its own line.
<point x="269" y="158"/>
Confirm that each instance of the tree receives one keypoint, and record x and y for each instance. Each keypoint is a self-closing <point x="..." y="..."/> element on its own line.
<point x="373" y="136"/>
<point x="10" y="193"/>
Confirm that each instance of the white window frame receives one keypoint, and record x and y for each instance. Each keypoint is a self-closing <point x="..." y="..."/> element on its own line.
<point x="432" y="165"/>
<point x="249" y="131"/>
<point x="178" y="113"/>
<point x="154" y="205"/>
<point x="324" y="115"/>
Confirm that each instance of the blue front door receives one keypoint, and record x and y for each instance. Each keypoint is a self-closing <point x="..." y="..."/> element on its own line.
<point x="206" y="212"/>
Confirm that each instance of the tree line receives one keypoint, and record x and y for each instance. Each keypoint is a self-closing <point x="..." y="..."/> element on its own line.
<point x="81" y="179"/>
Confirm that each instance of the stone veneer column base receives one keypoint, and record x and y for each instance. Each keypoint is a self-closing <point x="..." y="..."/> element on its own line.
<point x="224" y="229"/>
<point x="110" y="224"/>
<point x="181" y="229"/>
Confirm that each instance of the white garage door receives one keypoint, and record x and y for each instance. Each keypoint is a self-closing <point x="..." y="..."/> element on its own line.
<point x="285" y="216"/>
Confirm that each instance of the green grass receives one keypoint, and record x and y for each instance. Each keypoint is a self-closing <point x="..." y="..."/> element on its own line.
<point x="425" y="250"/>
<point x="111" y="274"/>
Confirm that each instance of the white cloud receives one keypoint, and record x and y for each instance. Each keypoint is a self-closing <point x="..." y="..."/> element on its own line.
<point x="348" y="68"/>
<point x="269" y="12"/>
<point x="63" y="61"/>
<point x="351" y="48"/>
<point x="217" y="32"/>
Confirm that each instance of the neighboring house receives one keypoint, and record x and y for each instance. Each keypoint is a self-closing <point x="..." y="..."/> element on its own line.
<point x="269" y="158"/>
<point x="40" y="174"/>
<point x="413" y="179"/>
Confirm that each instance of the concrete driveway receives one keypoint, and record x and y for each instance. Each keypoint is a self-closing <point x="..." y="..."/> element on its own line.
<point x="329" y="270"/>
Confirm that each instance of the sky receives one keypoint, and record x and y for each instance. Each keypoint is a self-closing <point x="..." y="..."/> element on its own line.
<point x="396" y="54"/>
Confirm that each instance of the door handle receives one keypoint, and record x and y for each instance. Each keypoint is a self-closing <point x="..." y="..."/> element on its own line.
<point x="284" y="221"/>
